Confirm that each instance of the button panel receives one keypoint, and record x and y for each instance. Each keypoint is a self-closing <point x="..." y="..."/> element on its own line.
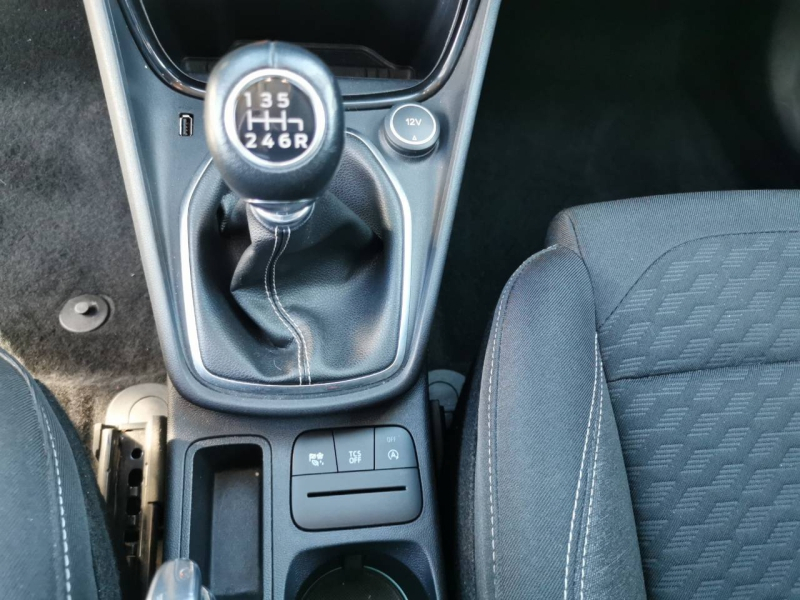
<point x="357" y="449"/>
<point x="360" y="477"/>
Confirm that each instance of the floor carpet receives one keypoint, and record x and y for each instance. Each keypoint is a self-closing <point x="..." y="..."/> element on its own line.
<point x="65" y="227"/>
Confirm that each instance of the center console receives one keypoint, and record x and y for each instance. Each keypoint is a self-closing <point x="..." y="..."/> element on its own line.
<point x="293" y="170"/>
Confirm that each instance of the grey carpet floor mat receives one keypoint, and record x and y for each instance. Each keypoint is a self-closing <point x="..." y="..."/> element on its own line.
<point x="65" y="227"/>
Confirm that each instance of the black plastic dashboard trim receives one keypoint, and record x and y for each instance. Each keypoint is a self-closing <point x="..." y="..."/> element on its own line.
<point x="165" y="68"/>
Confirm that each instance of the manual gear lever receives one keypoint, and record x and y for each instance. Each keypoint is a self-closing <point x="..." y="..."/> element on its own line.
<point x="275" y="127"/>
<point x="311" y="305"/>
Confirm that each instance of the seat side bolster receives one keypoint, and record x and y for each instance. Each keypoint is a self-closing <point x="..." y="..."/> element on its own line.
<point x="45" y="547"/>
<point x="552" y="509"/>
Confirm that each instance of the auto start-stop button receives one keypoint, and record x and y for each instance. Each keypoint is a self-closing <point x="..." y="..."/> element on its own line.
<point x="412" y="128"/>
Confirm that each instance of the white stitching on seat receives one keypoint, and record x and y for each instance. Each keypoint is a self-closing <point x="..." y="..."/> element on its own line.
<point x="275" y="308"/>
<point x="489" y="445"/>
<point x="286" y="312"/>
<point x="498" y="326"/>
<point x="591" y="492"/>
<point x="62" y="516"/>
<point x="583" y="464"/>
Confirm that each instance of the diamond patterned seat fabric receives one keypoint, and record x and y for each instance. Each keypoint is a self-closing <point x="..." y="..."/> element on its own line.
<point x="698" y="320"/>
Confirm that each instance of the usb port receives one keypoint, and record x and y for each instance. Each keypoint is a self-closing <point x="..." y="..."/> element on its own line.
<point x="185" y="124"/>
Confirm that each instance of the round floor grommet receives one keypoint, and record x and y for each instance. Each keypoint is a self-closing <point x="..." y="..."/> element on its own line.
<point x="84" y="313"/>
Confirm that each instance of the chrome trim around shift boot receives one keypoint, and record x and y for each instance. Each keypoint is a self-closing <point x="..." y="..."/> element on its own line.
<point x="280" y="214"/>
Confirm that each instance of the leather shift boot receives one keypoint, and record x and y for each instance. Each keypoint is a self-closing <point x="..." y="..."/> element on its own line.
<point x="315" y="304"/>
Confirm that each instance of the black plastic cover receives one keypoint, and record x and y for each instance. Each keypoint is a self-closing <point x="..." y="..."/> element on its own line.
<point x="356" y="499"/>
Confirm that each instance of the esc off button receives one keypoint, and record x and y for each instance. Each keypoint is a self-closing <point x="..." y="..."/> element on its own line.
<point x="411" y="128"/>
<point x="394" y="448"/>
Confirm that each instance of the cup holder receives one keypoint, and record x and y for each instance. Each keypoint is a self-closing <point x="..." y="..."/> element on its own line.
<point x="383" y="571"/>
<point x="365" y="583"/>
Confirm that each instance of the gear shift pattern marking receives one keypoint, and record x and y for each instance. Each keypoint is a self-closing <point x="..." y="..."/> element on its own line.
<point x="275" y="121"/>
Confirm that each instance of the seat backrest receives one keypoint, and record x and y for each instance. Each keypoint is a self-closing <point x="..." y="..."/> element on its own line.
<point x="698" y="321"/>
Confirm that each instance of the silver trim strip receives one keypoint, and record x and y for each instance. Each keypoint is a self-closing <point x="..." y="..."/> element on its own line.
<point x="202" y="372"/>
<point x="272" y="215"/>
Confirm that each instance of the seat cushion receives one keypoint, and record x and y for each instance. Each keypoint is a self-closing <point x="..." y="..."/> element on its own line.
<point x="695" y="304"/>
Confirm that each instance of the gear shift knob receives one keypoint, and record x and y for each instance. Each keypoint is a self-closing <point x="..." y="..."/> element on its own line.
<point x="275" y="126"/>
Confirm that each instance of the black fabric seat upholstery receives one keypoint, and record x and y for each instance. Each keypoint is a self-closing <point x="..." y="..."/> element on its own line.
<point x="53" y="539"/>
<point x="635" y="427"/>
